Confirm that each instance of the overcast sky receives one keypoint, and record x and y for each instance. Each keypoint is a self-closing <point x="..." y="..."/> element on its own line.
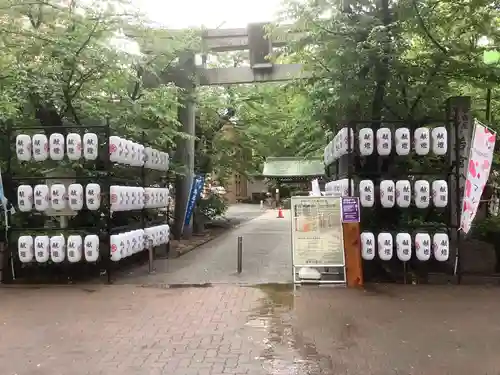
<point x="209" y="13"/>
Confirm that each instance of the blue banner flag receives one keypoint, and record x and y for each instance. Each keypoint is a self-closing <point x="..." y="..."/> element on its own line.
<point x="196" y="189"/>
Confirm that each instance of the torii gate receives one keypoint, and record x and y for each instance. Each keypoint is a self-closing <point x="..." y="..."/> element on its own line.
<point x="253" y="38"/>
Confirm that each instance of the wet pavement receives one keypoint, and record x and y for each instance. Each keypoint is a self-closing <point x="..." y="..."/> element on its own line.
<point x="266" y="329"/>
<point x="196" y="316"/>
<point x="267" y="256"/>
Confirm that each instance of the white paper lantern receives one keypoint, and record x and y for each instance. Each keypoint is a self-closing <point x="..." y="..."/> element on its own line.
<point x="125" y="239"/>
<point x="366" y="141"/>
<point x="127" y="151"/>
<point x="153" y="201"/>
<point x="42" y="249"/>
<point x="344" y="188"/>
<point x="126" y="198"/>
<point x="165" y="233"/>
<point x="116" y="198"/>
<point x="74" y="146"/>
<point x="367" y="246"/>
<point x="344" y="140"/>
<point x="336" y="147"/>
<point x="147" y="197"/>
<point x="165" y="161"/>
<point x="58" y="197"/>
<point x="25" y="198"/>
<point x="133" y="198"/>
<point x="140" y="238"/>
<point x="440" y="193"/>
<point x="422" y="191"/>
<point x="138" y="192"/>
<point x="328" y="153"/>
<point x="439" y="140"/>
<point x="164" y="197"/>
<point x="90" y="146"/>
<point x="57" y="249"/>
<point x="161" y="164"/>
<point x="422" y="141"/>
<point x="133" y="241"/>
<point x="115" y="247"/>
<point x="387" y="193"/>
<point x="117" y="244"/>
<point x="115" y="149"/>
<point x="168" y="233"/>
<point x="403" y="246"/>
<point x="93" y="196"/>
<point x="75" y="197"/>
<point x="129" y="243"/>
<point x="366" y="193"/>
<point x="133" y="154"/>
<point x="384" y="141"/>
<point x="142" y="156"/>
<point x="41" y="197"/>
<point x="423" y="246"/>
<point x="156" y="235"/>
<point x="23" y="147"/>
<point x="91" y="247"/>
<point x="155" y="159"/>
<point x="441" y="245"/>
<point x="140" y="198"/>
<point x="402" y="140"/>
<point x="403" y="193"/>
<point x="75" y="247"/>
<point x="25" y="249"/>
<point x="149" y="234"/>
<point x="40" y="147"/>
<point x="337" y="188"/>
<point x="56" y="146"/>
<point x="385" y="246"/>
<point x="148" y="157"/>
<point x="139" y="155"/>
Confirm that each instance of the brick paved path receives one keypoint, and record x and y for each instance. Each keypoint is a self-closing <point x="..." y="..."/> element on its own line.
<point x="122" y="330"/>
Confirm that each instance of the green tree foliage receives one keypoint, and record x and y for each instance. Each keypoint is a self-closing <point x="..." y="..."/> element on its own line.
<point x="241" y="126"/>
<point x="69" y="61"/>
<point x="397" y="60"/>
<point x="72" y="62"/>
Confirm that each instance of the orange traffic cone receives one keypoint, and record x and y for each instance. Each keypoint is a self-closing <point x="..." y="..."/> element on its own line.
<point x="280" y="213"/>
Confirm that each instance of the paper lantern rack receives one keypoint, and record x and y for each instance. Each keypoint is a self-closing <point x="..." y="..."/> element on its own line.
<point x="101" y="192"/>
<point x="391" y="190"/>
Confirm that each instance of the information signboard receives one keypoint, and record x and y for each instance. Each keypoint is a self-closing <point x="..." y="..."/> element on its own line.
<point x="317" y="232"/>
<point x="350" y="210"/>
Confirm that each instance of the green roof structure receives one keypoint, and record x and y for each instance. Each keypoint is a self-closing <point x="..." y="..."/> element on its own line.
<point x="290" y="168"/>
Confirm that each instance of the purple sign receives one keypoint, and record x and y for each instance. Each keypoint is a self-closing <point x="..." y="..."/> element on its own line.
<point x="350" y="210"/>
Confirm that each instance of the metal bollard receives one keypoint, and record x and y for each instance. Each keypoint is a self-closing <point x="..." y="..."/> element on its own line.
<point x="240" y="254"/>
<point x="151" y="258"/>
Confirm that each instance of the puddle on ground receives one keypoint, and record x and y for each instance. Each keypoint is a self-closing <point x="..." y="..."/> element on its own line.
<point x="176" y="286"/>
<point x="286" y="350"/>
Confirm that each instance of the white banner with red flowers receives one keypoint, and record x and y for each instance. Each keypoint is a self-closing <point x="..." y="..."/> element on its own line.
<point x="478" y="171"/>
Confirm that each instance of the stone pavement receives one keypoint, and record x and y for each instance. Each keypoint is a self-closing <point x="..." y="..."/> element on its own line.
<point x="266" y="256"/>
<point x="224" y="329"/>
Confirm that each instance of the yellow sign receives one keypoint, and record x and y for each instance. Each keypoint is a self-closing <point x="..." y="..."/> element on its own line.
<point x="317" y="231"/>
